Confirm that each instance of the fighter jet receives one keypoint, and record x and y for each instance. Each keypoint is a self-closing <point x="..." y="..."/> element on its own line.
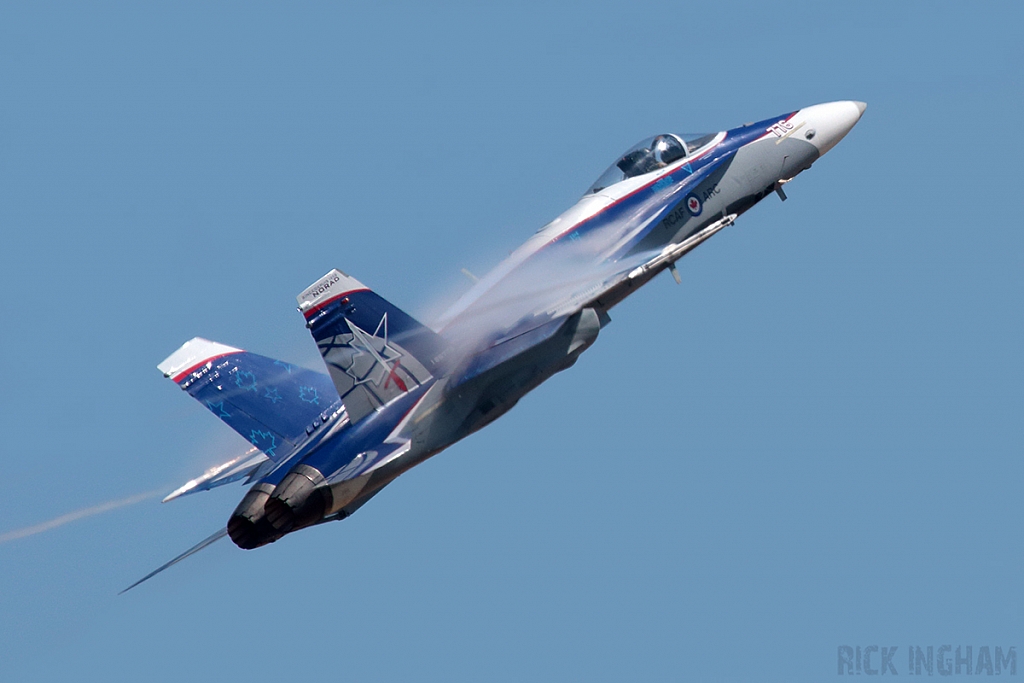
<point x="397" y="392"/>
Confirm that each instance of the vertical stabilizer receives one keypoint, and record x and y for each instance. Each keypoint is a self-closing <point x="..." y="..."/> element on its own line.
<point x="275" y="406"/>
<point x="374" y="351"/>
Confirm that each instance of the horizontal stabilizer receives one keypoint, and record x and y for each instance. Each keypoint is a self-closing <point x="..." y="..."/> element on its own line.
<point x="252" y="464"/>
<point x="208" y="541"/>
<point x="372" y="460"/>
<point x="276" y="406"/>
<point x="349" y="510"/>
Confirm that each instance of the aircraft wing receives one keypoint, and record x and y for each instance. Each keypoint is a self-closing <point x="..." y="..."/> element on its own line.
<point x="591" y="261"/>
<point x="611" y="290"/>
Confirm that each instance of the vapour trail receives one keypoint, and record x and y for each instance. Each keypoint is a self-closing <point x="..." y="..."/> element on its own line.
<point x="77" y="515"/>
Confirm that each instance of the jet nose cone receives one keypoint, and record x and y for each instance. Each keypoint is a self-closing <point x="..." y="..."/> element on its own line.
<point x="830" y="122"/>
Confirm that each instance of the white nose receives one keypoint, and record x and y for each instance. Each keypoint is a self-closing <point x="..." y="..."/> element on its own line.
<point x="826" y="124"/>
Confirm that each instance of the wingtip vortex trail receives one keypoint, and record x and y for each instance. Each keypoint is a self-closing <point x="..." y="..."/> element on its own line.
<point x="76" y="515"/>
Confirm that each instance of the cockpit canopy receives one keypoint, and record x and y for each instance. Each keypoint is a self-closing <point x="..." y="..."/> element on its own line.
<point x="649" y="155"/>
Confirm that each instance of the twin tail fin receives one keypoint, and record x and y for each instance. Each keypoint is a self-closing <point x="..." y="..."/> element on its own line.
<point x="275" y="406"/>
<point x="374" y="351"/>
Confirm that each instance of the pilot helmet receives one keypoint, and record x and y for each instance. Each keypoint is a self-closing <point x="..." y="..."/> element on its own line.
<point x="667" y="148"/>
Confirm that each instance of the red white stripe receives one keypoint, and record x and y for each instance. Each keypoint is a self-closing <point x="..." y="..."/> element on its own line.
<point x="313" y="310"/>
<point x="193" y="354"/>
<point x="331" y="287"/>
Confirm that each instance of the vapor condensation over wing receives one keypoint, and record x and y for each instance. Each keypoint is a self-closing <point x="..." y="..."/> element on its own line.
<point x="544" y="284"/>
<point x="77" y="515"/>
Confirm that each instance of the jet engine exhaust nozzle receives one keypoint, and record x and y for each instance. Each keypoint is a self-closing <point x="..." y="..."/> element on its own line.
<point x="300" y="500"/>
<point x="248" y="526"/>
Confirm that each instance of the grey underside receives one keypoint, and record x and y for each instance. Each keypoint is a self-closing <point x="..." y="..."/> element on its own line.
<point x="450" y="412"/>
<point x="734" y="187"/>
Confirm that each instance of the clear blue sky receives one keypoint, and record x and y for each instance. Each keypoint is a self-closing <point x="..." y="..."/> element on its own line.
<point x="815" y="441"/>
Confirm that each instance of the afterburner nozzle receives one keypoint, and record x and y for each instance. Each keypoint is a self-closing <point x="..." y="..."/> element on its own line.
<point x="300" y="500"/>
<point x="248" y="526"/>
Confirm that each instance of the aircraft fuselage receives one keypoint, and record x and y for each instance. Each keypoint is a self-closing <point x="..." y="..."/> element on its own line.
<point x="535" y="313"/>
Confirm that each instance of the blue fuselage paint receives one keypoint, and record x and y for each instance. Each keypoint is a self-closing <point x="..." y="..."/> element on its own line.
<point x="664" y="195"/>
<point x="467" y="390"/>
